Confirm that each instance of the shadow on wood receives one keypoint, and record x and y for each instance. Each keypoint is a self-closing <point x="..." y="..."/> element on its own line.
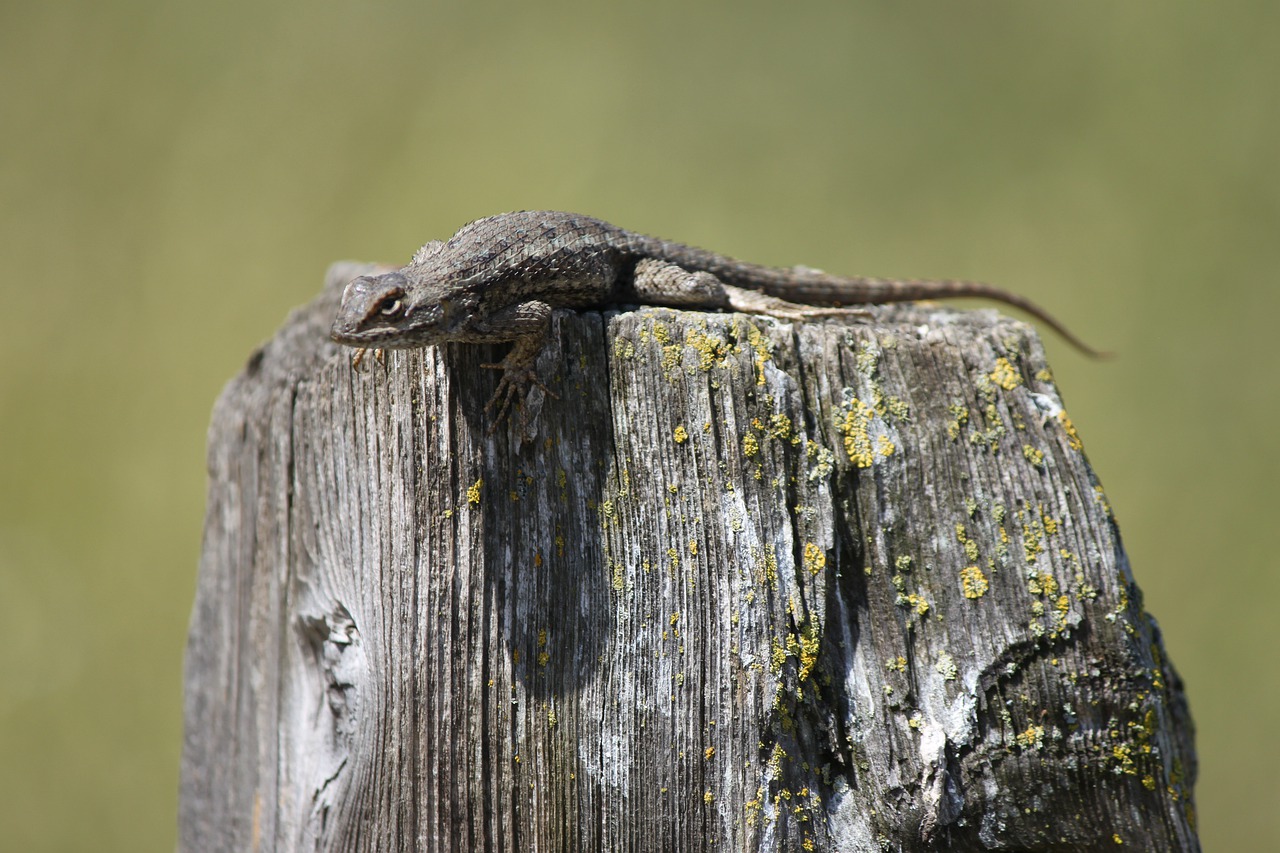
<point x="746" y="585"/>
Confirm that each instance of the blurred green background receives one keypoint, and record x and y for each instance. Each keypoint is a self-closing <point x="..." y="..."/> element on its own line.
<point x="176" y="175"/>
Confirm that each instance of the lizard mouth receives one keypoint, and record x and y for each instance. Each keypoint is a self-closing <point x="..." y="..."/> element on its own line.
<point x="342" y="333"/>
<point x="413" y="329"/>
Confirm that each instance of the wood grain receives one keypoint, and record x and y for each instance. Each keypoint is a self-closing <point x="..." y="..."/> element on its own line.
<point x="746" y="585"/>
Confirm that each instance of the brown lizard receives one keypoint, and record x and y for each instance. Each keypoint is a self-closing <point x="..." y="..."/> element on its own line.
<point x="498" y="279"/>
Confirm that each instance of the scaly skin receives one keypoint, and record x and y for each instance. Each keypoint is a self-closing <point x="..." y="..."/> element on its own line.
<point x="498" y="279"/>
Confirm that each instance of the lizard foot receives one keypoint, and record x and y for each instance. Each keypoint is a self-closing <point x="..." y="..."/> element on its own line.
<point x="515" y="382"/>
<point x="379" y="355"/>
<point x="755" y="302"/>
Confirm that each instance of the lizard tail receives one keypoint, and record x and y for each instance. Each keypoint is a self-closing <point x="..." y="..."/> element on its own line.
<point x="814" y="287"/>
<point x="910" y="290"/>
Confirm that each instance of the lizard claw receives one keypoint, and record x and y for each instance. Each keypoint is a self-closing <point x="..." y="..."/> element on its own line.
<point x="379" y="355"/>
<point x="512" y="386"/>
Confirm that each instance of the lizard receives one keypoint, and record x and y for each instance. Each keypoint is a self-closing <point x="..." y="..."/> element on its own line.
<point x="498" y="280"/>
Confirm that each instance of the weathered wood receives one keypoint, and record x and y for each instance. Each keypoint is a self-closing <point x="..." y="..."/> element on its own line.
<point x="752" y="586"/>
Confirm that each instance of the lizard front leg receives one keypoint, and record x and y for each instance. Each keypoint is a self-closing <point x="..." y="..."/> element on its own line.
<point x="526" y="325"/>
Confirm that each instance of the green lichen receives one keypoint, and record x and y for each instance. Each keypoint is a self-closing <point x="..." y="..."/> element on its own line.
<point x="624" y="348"/>
<point x="867" y="359"/>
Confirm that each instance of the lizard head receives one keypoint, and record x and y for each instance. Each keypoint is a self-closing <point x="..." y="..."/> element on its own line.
<point x="378" y="311"/>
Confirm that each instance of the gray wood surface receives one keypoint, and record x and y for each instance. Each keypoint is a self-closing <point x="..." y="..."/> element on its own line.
<point x="746" y="585"/>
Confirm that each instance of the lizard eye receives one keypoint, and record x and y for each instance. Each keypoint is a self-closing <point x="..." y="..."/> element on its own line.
<point x="391" y="306"/>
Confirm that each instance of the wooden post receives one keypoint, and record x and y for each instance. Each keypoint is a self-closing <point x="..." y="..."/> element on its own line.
<point x="746" y="585"/>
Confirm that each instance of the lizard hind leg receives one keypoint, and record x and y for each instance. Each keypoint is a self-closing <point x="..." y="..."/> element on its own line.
<point x="663" y="283"/>
<point x="658" y="282"/>
<point x="755" y="302"/>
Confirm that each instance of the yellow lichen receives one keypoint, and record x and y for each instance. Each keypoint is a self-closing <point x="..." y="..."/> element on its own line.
<point x="970" y="547"/>
<point x="767" y="566"/>
<point x="672" y="356"/>
<point x="777" y="656"/>
<point x="973" y="582"/>
<point x="1073" y="437"/>
<point x="750" y="446"/>
<point x="1123" y="755"/>
<point x="916" y="603"/>
<point x="814" y="558"/>
<point x="853" y="425"/>
<point x="473" y="492"/>
<point x="959" y="417"/>
<point x="897" y="408"/>
<point x="866" y="359"/>
<point x="809" y="645"/>
<point x="780" y="427"/>
<point x="1101" y="498"/>
<point x="1032" y="547"/>
<point x="681" y="435"/>
<point x="1005" y="375"/>
<point x="1032" y="737"/>
<point x="762" y="346"/>
<point x="752" y="807"/>
<point x="1032" y="455"/>
<point x="711" y="351"/>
